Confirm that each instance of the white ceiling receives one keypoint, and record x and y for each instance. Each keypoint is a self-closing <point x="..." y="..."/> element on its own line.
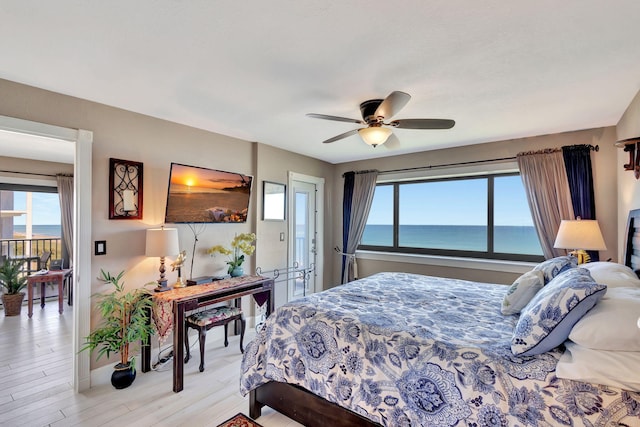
<point x="252" y="69"/>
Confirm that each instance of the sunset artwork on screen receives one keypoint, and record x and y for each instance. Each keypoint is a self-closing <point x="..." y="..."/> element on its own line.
<point x="199" y="195"/>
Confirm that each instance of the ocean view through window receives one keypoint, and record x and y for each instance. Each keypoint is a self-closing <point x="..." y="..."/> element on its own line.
<point x="31" y="226"/>
<point x="44" y="212"/>
<point x="484" y="217"/>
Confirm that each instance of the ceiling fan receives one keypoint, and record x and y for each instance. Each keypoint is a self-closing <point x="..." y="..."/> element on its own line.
<point x="375" y="112"/>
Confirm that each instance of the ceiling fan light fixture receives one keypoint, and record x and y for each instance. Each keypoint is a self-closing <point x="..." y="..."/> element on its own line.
<point x="374" y="136"/>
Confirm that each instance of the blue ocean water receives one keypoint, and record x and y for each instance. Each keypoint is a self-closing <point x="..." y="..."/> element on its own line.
<point x="507" y="239"/>
<point x="49" y="230"/>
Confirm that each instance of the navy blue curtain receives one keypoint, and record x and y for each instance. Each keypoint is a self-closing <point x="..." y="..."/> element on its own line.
<point x="347" y="202"/>
<point x="577" y="162"/>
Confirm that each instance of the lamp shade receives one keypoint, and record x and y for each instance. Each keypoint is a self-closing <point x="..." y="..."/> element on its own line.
<point x="580" y="234"/>
<point x="162" y="242"/>
<point x="375" y="135"/>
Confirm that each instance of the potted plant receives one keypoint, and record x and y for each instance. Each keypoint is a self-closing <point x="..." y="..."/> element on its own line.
<point x="12" y="281"/>
<point x="125" y="321"/>
<point x="241" y="245"/>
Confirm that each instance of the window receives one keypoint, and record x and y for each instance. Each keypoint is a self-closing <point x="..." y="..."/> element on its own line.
<point x="30" y="224"/>
<point x="483" y="217"/>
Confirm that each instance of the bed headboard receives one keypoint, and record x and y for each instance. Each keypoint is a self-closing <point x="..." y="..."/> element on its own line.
<point x="632" y="241"/>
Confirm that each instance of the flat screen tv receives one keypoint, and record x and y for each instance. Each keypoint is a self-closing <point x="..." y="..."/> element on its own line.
<point x="201" y="195"/>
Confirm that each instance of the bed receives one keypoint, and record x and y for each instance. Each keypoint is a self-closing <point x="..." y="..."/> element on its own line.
<point x="402" y="349"/>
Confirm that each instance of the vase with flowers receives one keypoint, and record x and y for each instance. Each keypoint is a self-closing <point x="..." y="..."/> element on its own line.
<point x="241" y="245"/>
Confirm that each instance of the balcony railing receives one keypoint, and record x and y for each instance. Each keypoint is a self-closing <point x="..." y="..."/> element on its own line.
<point x="31" y="250"/>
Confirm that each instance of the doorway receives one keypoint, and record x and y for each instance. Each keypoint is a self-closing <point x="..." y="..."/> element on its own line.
<point x="306" y="231"/>
<point x="81" y="285"/>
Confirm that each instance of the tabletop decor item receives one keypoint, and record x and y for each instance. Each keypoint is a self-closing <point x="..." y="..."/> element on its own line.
<point x="177" y="265"/>
<point x="125" y="315"/>
<point x="241" y="245"/>
<point x="12" y="281"/>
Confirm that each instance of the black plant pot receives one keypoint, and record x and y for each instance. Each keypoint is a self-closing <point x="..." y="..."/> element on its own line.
<point x="123" y="375"/>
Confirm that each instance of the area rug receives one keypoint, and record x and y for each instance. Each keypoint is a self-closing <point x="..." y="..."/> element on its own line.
<point x="239" y="420"/>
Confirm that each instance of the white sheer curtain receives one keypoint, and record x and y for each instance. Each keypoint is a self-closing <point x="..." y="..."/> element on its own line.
<point x="65" y="194"/>
<point x="545" y="181"/>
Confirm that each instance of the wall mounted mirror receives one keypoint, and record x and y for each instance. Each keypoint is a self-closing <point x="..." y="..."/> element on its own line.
<point x="274" y="201"/>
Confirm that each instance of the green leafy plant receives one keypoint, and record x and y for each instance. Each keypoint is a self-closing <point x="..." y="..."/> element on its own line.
<point x="12" y="278"/>
<point x="241" y="245"/>
<point x="125" y="317"/>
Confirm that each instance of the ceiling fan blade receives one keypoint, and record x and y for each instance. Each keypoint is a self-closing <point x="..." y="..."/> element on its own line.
<point x="341" y="136"/>
<point x="392" y="104"/>
<point x="423" y="123"/>
<point x="335" y="118"/>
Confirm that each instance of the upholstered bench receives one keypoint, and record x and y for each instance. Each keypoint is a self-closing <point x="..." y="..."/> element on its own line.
<point x="202" y="321"/>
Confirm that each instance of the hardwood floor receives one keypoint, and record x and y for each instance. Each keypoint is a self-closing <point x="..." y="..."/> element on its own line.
<point x="36" y="387"/>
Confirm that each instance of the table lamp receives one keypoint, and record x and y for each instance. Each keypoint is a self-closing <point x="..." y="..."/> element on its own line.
<point x="580" y="235"/>
<point x="162" y="242"/>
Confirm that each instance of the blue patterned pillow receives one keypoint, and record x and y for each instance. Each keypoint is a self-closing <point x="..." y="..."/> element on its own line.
<point x="520" y="293"/>
<point x="546" y="321"/>
<point x="554" y="266"/>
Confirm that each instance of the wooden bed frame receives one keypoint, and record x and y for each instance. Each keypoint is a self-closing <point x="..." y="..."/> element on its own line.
<point x="302" y="406"/>
<point x="632" y="243"/>
<point x="310" y="410"/>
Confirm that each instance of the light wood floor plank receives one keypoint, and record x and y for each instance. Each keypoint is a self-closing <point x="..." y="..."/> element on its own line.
<point x="36" y="382"/>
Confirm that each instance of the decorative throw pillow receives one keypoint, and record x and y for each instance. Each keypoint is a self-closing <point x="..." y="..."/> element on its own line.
<point x="612" y="368"/>
<point x="612" y="274"/>
<point x="554" y="266"/>
<point x="521" y="291"/>
<point x="612" y="323"/>
<point x="547" y="319"/>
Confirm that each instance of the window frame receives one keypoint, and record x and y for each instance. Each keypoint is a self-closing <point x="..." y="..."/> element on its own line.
<point x="488" y="254"/>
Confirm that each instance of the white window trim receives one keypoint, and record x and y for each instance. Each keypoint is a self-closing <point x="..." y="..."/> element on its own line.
<point x="520" y="267"/>
<point x="83" y="141"/>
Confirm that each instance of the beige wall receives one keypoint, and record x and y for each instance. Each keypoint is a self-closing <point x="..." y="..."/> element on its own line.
<point x="274" y="165"/>
<point x="39" y="168"/>
<point x="605" y="177"/>
<point x="628" y="185"/>
<point x="156" y="143"/>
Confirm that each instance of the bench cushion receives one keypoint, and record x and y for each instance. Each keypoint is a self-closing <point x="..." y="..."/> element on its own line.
<point x="213" y="315"/>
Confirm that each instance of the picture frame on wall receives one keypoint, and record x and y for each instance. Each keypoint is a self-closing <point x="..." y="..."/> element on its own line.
<point x="125" y="189"/>
<point x="274" y="201"/>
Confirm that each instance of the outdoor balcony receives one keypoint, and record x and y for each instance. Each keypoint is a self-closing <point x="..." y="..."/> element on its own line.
<point x="31" y="251"/>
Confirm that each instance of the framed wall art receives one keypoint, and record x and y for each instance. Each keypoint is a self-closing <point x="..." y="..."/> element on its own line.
<point x="125" y="189"/>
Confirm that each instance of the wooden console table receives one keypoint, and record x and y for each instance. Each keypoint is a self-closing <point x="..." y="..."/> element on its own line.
<point x="57" y="276"/>
<point x="170" y="308"/>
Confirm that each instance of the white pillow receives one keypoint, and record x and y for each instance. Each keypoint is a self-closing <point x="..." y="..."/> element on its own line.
<point x="611" y="368"/>
<point x="521" y="291"/>
<point x="612" y="274"/>
<point x="612" y="323"/>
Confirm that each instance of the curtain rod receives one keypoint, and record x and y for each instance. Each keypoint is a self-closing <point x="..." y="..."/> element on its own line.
<point x="595" y="148"/>
<point x="30" y="173"/>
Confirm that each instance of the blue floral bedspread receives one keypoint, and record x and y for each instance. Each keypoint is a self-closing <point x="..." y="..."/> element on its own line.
<point x="409" y="350"/>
